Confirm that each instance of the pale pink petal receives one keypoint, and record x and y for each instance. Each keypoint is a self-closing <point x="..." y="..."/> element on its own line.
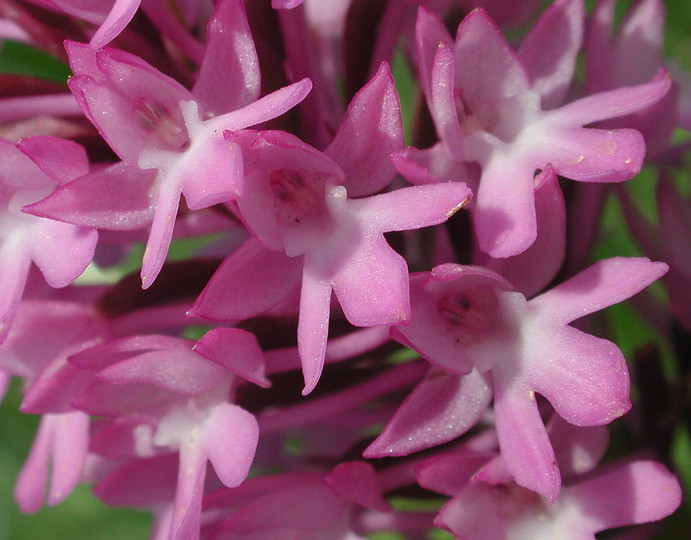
<point x="530" y="271"/>
<point x="591" y="155"/>
<point x="584" y="378"/>
<point x="412" y="207"/>
<point x="610" y="104"/>
<point x="371" y="284"/>
<point x="229" y="437"/>
<point x="523" y="439"/>
<point x="504" y="212"/>
<point x="62" y="251"/>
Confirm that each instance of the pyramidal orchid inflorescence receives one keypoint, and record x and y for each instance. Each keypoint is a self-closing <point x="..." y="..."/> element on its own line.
<point x="343" y="270"/>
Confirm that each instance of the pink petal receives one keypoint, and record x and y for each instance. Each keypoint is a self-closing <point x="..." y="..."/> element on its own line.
<point x="605" y="283"/>
<point x="370" y="132"/>
<point x="449" y="473"/>
<point x="229" y="437"/>
<point x="313" y="327"/>
<point x="236" y="350"/>
<point x="119" y="16"/>
<point x="584" y="378"/>
<point x="168" y="199"/>
<point x="356" y="481"/>
<point x="232" y="292"/>
<point x="183" y="372"/>
<point x="14" y="268"/>
<point x="530" y="271"/>
<point x="372" y="284"/>
<point x="116" y="198"/>
<point x="210" y="171"/>
<point x="412" y="207"/>
<point x="549" y="50"/>
<point x="492" y="76"/>
<point x="504" y="212"/>
<point x="60" y="159"/>
<point x="430" y="34"/>
<point x="607" y="497"/>
<point x="62" y="251"/>
<point x="523" y="440"/>
<point x="229" y="75"/>
<point x="592" y="155"/>
<point x="442" y="407"/>
<point x="610" y="104"/>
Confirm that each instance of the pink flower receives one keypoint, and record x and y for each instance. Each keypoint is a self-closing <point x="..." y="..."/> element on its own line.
<point x="61" y="251"/>
<point x="467" y="318"/>
<point x="489" y="107"/>
<point x="297" y="201"/>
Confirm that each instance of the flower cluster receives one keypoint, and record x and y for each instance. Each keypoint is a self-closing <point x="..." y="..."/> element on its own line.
<point x="461" y="354"/>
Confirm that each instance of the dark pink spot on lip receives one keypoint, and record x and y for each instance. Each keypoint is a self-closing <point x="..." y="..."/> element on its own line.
<point x="158" y="120"/>
<point x="294" y="196"/>
<point x="468" y="315"/>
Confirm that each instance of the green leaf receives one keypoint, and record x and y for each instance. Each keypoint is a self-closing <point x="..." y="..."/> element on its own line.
<point x="20" y="59"/>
